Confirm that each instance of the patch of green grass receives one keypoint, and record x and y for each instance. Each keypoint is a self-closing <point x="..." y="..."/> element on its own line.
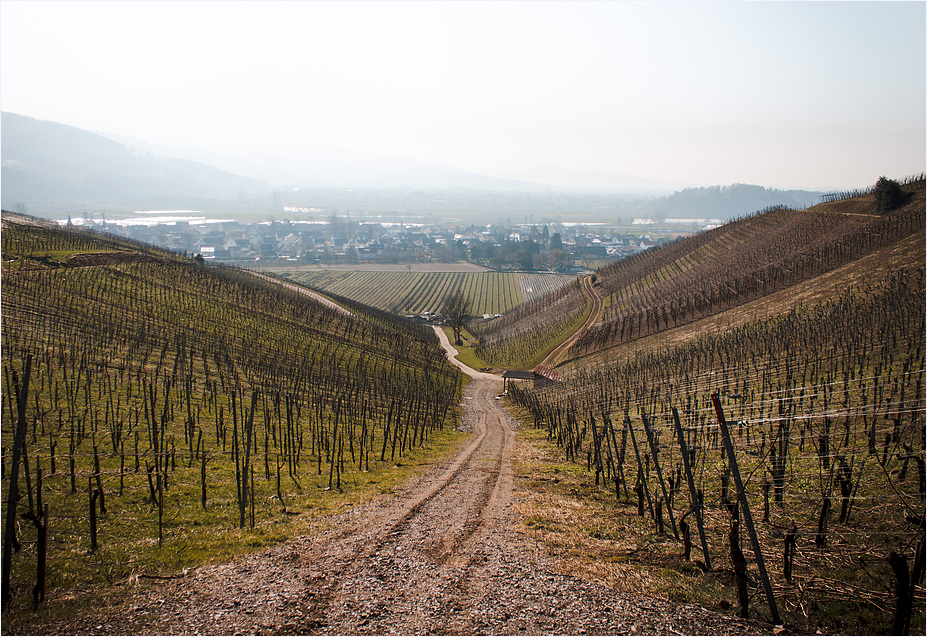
<point x="466" y="353"/>
<point x="603" y="532"/>
<point x="128" y="544"/>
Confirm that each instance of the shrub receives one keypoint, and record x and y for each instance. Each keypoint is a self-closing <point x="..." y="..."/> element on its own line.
<point x="888" y="194"/>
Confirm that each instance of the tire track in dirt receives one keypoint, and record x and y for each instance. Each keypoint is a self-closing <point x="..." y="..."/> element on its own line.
<point x="418" y="562"/>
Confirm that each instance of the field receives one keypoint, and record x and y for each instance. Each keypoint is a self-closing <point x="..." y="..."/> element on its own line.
<point x="433" y="266"/>
<point x="419" y="292"/>
<point x="169" y="414"/>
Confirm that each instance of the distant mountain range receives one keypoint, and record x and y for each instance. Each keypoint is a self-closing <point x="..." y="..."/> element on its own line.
<point x="48" y="164"/>
<point x="592" y="180"/>
<point x="727" y="202"/>
<point x="51" y="166"/>
<point x="322" y="166"/>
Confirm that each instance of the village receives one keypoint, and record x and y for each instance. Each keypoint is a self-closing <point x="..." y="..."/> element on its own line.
<point x="557" y="247"/>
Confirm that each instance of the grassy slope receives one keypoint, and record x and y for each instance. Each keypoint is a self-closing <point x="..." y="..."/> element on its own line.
<point x="121" y="332"/>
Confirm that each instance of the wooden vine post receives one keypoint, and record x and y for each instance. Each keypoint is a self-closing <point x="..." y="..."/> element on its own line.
<point x="19" y="440"/>
<point x="693" y="496"/>
<point x="656" y="464"/>
<point x="94" y="494"/>
<point x="39" y="519"/>
<point x="249" y="425"/>
<point x="745" y="509"/>
<point x="640" y="467"/>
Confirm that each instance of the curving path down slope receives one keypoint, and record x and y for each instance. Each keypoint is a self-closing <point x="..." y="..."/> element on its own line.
<point x="590" y="290"/>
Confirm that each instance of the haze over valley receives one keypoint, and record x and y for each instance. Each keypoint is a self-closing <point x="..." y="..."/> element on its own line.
<point x="468" y="318"/>
<point x="50" y="169"/>
<point x="589" y="109"/>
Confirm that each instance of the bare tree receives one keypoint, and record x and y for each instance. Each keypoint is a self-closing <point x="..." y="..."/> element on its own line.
<point x="456" y="311"/>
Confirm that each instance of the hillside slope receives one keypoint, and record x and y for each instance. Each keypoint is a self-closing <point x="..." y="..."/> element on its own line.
<point x="205" y="408"/>
<point x="744" y="261"/>
<point x="714" y="271"/>
<point x="47" y="164"/>
<point x="787" y="351"/>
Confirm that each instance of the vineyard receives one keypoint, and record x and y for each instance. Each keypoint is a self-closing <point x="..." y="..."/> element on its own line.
<point x="795" y="438"/>
<point x="750" y="405"/>
<point x="714" y="271"/>
<point x="420" y="292"/>
<point x="513" y="341"/>
<point x="158" y="413"/>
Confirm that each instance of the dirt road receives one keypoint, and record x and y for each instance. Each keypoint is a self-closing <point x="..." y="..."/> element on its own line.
<point x="553" y="358"/>
<point x="324" y="300"/>
<point x="442" y="557"/>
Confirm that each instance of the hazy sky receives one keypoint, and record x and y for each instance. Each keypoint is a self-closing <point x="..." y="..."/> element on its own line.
<point x="783" y="94"/>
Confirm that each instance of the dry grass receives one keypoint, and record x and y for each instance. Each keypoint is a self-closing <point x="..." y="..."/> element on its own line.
<point x="869" y="270"/>
<point x="600" y="537"/>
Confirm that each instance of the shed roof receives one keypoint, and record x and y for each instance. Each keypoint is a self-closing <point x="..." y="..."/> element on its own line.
<point x="518" y="374"/>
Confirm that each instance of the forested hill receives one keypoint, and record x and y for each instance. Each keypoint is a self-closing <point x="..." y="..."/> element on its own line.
<point x="194" y="398"/>
<point x="735" y="265"/>
<point x="727" y="202"/>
